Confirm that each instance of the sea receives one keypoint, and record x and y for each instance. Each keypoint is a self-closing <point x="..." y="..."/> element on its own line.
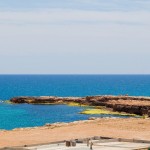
<point x="27" y="115"/>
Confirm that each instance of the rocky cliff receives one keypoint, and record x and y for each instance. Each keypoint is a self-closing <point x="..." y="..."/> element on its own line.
<point x="129" y="104"/>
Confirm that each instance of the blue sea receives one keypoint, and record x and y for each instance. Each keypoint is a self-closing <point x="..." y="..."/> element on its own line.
<point x="26" y="115"/>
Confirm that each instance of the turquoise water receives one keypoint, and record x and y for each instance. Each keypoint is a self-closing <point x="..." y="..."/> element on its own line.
<point x="14" y="116"/>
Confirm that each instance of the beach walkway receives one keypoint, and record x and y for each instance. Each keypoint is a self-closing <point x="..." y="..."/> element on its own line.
<point x="98" y="146"/>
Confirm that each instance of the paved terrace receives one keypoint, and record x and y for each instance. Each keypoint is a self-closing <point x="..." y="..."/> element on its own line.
<point x="99" y="143"/>
<point x="98" y="146"/>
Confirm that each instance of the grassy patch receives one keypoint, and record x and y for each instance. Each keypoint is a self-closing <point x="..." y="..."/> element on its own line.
<point x="104" y="112"/>
<point x="46" y="103"/>
<point x="76" y="104"/>
<point x="8" y="102"/>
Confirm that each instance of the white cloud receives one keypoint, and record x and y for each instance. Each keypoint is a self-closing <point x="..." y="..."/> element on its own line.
<point x="73" y="41"/>
<point x="73" y="16"/>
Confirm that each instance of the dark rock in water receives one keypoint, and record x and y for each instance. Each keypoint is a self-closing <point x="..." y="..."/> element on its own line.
<point x="129" y="104"/>
<point x="128" y="109"/>
<point x="19" y="99"/>
<point x="46" y="100"/>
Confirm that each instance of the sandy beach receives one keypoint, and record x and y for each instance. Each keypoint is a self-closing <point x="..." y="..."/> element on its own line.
<point x="116" y="128"/>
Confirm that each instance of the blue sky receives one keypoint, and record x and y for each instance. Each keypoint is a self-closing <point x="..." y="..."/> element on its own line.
<point x="107" y="5"/>
<point x="74" y="36"/>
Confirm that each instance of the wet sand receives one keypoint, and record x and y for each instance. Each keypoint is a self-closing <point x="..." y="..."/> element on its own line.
<point x="116" y="128"/>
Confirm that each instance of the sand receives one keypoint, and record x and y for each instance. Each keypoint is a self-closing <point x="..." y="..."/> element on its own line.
<point x="116" y="128"/>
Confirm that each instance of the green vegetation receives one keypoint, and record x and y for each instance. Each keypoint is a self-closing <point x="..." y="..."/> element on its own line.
<point x="45" y="103"/>
<point x="8" y="102"/>
<point x="104" y="112"/>
<point x="76" y="104"/>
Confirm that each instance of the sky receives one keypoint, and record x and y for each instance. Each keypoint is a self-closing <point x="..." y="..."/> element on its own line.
<point x="74" y="36"/>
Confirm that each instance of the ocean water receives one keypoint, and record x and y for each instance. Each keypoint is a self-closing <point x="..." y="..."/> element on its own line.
<point x="25" y="115"/>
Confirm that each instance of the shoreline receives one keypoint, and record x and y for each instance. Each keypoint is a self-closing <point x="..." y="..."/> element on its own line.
<point x="62" y="124"/>
<point x="129" y="128"/>
<point x="126" y="128"/>
<point x="128" y="104"/>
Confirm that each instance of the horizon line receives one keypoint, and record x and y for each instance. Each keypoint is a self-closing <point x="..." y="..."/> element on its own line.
<point x="74" y="74"/>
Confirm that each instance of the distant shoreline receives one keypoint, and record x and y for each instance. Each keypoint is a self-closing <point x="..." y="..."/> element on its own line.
<point x="138" y="105"/>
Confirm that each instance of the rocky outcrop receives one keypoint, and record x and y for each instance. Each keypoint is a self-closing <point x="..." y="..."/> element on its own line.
<point x="128" y="104"/>
<point x="132" y="109"/>
<point x="46" y="100"/>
